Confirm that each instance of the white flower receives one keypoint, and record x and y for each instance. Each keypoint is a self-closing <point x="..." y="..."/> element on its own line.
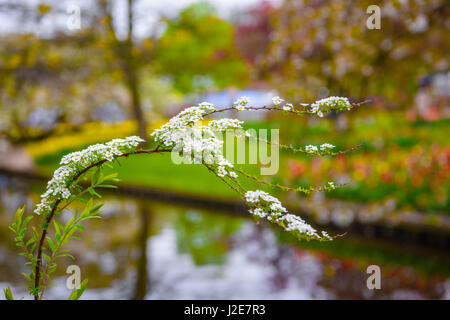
<point x="207" y="106"/>
<point x="233" y="174"/>
<point x="258" y="212"/>
<point x="329" y="104"/>
<point x="311" y="149"/>
<point x="277" y="100"/>
<point x="224" y="124"/>
<point x="325" y="235"/>
<point x="288" y="106"/>
<point x="266" y="206"/>
<point x="295" y="223"/>
<point x="221" y="172"/>
<point x="241" y="103"/>
<point x="326" y="146"/>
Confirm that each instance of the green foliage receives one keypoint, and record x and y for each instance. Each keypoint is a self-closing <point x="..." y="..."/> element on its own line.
<point x="19" y="228"/>
<point x="196" y="51"/>
<point x="8" y="294"/>
<point x="76" y="294"/>
<point x="53" y="244"/>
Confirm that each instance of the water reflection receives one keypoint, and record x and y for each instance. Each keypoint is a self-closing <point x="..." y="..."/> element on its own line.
<point x="143" y="249"/>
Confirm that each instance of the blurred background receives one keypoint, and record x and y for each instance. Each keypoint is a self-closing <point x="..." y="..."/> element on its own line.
<point x="74" y="73"/>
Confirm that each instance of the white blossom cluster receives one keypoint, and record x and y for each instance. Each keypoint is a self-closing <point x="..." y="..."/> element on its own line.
<point x="326" y="146"/>
<point x="288" y="107"/>
<point x="173" y="132"/>
<point x="295" y="223"/>
<point x="311" y="149"/>
<point x="241" y="103"/>
<point x="73" y="163"/>
<point x="277" y="100"/>
<point x="266" y="206"/>
<point x="322" y="147"/>
<point x="326" y="105"/>
<point x="224" y="124"/>
<point x="182" y="134"/>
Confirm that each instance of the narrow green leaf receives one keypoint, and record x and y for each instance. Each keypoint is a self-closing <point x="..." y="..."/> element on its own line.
<point x="50" y="243"/>
<point x="76" y="294"/>
<point x="8" y="294"/>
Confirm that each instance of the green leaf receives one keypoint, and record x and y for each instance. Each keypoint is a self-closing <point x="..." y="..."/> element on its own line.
<point x="65" y="255"/>
<point x="95" y="208"/>
<point x="76" y="294"/>
<point x="27" y="219"/>
<point x="70" y="223"/>
<point x="8" y="294"/>
<point x="19" y="214"/>
<point x="109" y="186"/>
<point x="111" y="177"/>
<point x="46" y="257"/>
<point x="57" y="229"/>
<point x="92" y="191"/>
<point x="26" y="276"/>
<point x="50" y="243"/>
<point x="32" y="240"/>
<point x="35" y="233"/>
<point x="96" y="177"/>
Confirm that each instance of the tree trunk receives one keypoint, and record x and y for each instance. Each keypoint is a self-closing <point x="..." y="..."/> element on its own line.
<point x="133" y="87"/>
<point x="133" y="78"/>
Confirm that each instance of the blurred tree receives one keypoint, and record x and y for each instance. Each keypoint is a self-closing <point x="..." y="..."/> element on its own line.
<point x="196" y="51"/>
<point x="73" y="70"/>
<point x="322" y="47"/>
<point x="252" y="31"/>
<point x="48" y="73"/>
<point x="130" y="59"/>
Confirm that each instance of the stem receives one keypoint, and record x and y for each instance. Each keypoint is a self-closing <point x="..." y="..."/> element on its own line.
<point x="45" y="273"/>
<point x="38" y="267"/>
<point x="39" y="254"/>
<point x="294" y="111"/>
<point x="224" y="180"/>
<point x="77" y="197"/>
<point x="259" y="108"/>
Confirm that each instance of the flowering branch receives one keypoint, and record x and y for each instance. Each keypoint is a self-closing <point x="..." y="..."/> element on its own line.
<point x="50" y="216"/>
<point x="182" y="134"/>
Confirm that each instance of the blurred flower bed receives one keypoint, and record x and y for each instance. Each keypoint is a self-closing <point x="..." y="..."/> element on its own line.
<point x="403" y="164"/>
<point x="68" y="138"/>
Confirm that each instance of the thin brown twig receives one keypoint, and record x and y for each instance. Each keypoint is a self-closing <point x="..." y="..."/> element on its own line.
<point x="294" y="111"/>
<point x="221" y="178"/>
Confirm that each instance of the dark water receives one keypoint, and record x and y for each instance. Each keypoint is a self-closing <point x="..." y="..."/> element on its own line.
<point x="144" y="249"/>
